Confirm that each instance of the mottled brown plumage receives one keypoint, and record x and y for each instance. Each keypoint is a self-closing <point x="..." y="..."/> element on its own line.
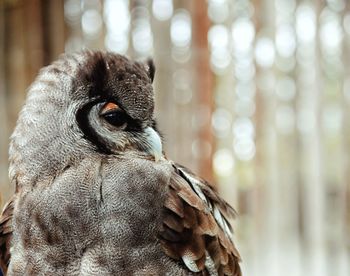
<point x="94" y="193"/>
<point x="5" y="234"/>
<point x="196" y="226"/>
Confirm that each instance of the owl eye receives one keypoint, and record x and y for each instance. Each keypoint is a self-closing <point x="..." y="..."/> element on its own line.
<point x="114" y="115"/>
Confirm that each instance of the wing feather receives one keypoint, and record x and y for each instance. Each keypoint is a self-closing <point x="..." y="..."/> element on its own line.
<point x="196" y="226"/>
<point x="6" y="234"/>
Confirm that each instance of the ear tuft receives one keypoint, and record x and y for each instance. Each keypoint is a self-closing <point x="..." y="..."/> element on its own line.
<point x="151" y="69"/>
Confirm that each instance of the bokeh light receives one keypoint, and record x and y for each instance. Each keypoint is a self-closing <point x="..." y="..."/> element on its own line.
<point x="162" y="9"/>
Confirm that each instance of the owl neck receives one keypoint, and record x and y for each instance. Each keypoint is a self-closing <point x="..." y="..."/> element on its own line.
<point x="43" y="146"/>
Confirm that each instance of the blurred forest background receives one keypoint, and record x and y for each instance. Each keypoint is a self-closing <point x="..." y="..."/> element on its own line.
<point x="253" y="95"/>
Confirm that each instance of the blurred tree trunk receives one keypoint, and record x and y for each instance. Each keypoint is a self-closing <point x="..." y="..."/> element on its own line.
<point x="32" y="34"/>
<point x="204" y="86"/>
<point x="3" y="115"/>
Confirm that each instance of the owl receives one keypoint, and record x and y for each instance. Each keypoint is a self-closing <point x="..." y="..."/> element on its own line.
<point x="95" y="193"/>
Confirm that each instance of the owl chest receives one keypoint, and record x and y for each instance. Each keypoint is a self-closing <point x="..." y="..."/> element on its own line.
<point x="107" y="211"/>
<point x="88" y="218"/>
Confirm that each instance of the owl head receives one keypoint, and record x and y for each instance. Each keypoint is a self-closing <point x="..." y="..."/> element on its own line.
<point x="84" y="105"/>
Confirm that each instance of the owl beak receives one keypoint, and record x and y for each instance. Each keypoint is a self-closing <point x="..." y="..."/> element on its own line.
<point x="154" y="143"/>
